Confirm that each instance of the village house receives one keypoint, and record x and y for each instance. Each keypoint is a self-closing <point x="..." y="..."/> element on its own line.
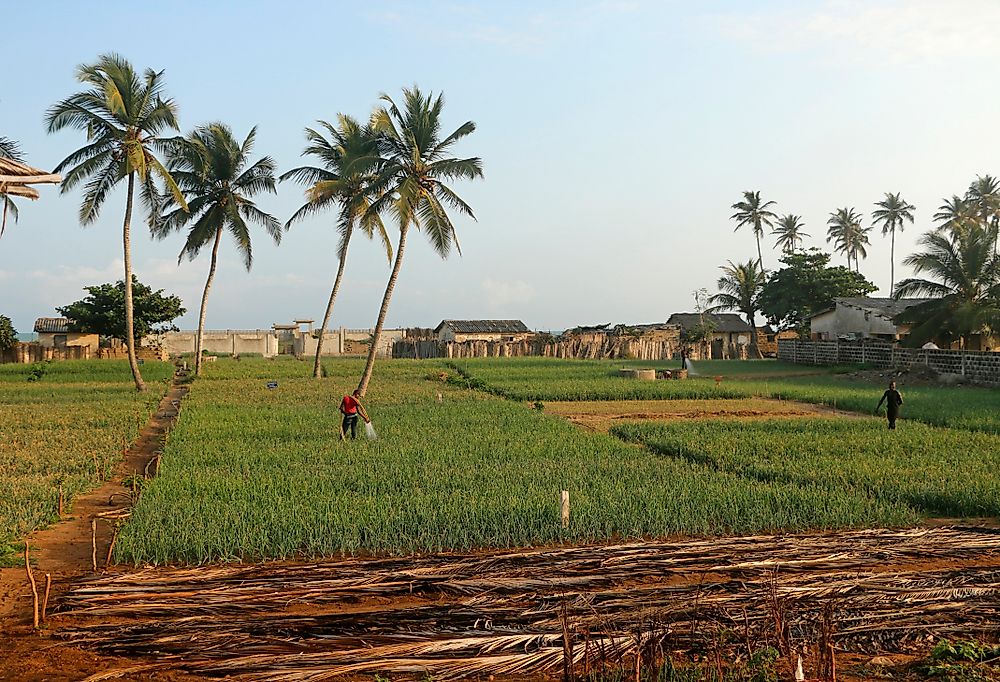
<point x="854" y="319"/>
<point x="482" y="330"/>
<point x="53" y="332"/>
<point x="729" y="338"/>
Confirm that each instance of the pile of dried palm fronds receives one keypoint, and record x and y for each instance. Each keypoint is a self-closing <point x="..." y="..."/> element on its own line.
<point x="528" y="611"/>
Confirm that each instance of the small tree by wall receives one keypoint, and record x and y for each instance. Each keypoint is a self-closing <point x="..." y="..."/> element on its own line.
<point x="103" y="310"/>
<point x="8" y="335"/>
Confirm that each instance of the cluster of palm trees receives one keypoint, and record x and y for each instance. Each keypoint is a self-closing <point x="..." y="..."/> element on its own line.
<point x="846" y="228"/>
<point x="396" y="164"/>
<point x="961" y="256"/>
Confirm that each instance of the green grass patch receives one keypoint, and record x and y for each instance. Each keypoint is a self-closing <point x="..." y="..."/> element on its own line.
<point x="251" y="472"/>
<point x="939" y="472"/>
<point x="64" y="430"/>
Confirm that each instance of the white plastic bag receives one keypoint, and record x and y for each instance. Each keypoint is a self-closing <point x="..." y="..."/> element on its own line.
<point x="370" y="431"/>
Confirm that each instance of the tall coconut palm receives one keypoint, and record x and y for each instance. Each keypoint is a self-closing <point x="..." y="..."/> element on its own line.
<point x="789" y="232"/>
<point x="739" y="289"/>
<point x="751" y="212"/>
<point x="956" y="214"/>
<point x="350" y="162"/>
<point x="218" y="182"/>
<point x="9" y="149"/>
<point x="963" y="283"/>
<point x="411" y="183"/>
<point x="848" y="234"/>
<point x="892" y="212"/>
<point x="123" y="116"/>
<point x="984" y="195"/>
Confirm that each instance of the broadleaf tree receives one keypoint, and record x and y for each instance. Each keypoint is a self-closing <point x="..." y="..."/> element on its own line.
<point x="102" y="311"/>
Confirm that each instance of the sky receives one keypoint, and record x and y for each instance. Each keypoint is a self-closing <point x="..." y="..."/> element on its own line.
<point x="615" y="136"/>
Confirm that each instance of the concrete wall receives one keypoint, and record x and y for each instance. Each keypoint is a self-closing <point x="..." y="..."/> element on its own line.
<point x="92" y="341"/>
<point x="845" y="320"/>
<point x="265" y="342"/>
<point x="976" y="365"/>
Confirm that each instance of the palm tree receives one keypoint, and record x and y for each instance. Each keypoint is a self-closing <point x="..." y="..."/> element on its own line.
<point x="892" y="212"/>
<point x="964" y="285"/>
<point x="123" y="115"/>
<point x="411" y="183"/>
<point x="350" y="159"/>
<point x="739" y="289"/>
<point x="218" y="181"/>
<point x="956" y="214"/>
<point x="984" y="195"/>
<point x="752" y="212"/>
<point x="848" y="235"/>
<point x="789" y="232"/>
<point x="9" y="149"/>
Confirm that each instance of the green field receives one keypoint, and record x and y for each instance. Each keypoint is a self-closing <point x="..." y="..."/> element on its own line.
<point x="64" y="428"/>
<point x="938" y="472"/>
<point x="251" y="473"/>
<point x="541" y="379"/>
<point x="465" y="460"/>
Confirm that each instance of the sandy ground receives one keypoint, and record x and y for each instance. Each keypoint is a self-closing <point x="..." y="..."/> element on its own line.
<point x="602" y="415"/>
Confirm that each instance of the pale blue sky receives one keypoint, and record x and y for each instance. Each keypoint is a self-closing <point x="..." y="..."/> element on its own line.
<point x="615" y="135"/>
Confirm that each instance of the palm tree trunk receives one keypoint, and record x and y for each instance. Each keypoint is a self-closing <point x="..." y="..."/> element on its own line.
<point x="754" y="348"/>
<point x="204" y="303"/>
<point x="140" y="385"/>
<point x="370" y="364"/>
<point x="760" y="260"/>
<point x="892" y="262"/>
<point x="318" y="366"/>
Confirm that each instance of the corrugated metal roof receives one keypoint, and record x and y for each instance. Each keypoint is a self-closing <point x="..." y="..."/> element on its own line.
<point x="883" y="307"/>
<point x="484" y="326"/>
<point x="722" y="322"/>
<point x="52" y="325"/>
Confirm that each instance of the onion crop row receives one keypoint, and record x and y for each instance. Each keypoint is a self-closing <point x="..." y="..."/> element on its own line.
<point x="938" y="472"/>
<point x="253" y="472"/>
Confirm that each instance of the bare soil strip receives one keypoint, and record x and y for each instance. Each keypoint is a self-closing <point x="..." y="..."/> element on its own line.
<point x="602" y="415"/>
<point x="527" y="612"/>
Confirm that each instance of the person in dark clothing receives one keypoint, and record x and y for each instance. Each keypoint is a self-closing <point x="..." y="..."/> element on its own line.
<point x="351" y="407"/>
<point x="684" y="358"/>
<point x="892" y="400"/>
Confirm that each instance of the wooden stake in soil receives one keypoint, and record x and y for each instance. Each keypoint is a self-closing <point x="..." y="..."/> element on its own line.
<point x="34" y="587"/>
<point x="111" y="547"/>
<point x="93" y="543"/>
<point x="564" y="500"/>
<point x="45" y="601"/>
<point x="60" y="501"/>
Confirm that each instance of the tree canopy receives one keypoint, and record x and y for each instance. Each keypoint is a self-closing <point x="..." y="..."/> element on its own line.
<point x="8" y="335"/>
<point x="805" y="286"/>
<point x="102" y="311"/>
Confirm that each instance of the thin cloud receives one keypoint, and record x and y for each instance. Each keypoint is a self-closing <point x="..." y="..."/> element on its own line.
<point x="893" y="31"/>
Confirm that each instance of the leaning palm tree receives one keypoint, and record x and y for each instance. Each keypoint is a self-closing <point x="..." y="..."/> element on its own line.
<point x="984" y="195"/>
<point x="751" y="212"/>
<point x="848" y="235"/>
<point x="411" y="183"/>
<point x="789" y="232"/>
<point x="956" y="214"/>
<point x="350" y="162"/>
<point x="123" y="115"/>
<point x="218" y="181"/>
<point x="963" y="285"/>
<point x="9" y="149"/>
<point x="892" y="212"/>
<point x="739" y="289"/>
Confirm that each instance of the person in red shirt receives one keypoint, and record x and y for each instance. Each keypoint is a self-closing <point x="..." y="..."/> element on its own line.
<point x="351" y="407"/>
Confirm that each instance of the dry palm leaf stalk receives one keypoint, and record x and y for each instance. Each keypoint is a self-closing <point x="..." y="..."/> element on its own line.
<point x="506" y="613"/>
